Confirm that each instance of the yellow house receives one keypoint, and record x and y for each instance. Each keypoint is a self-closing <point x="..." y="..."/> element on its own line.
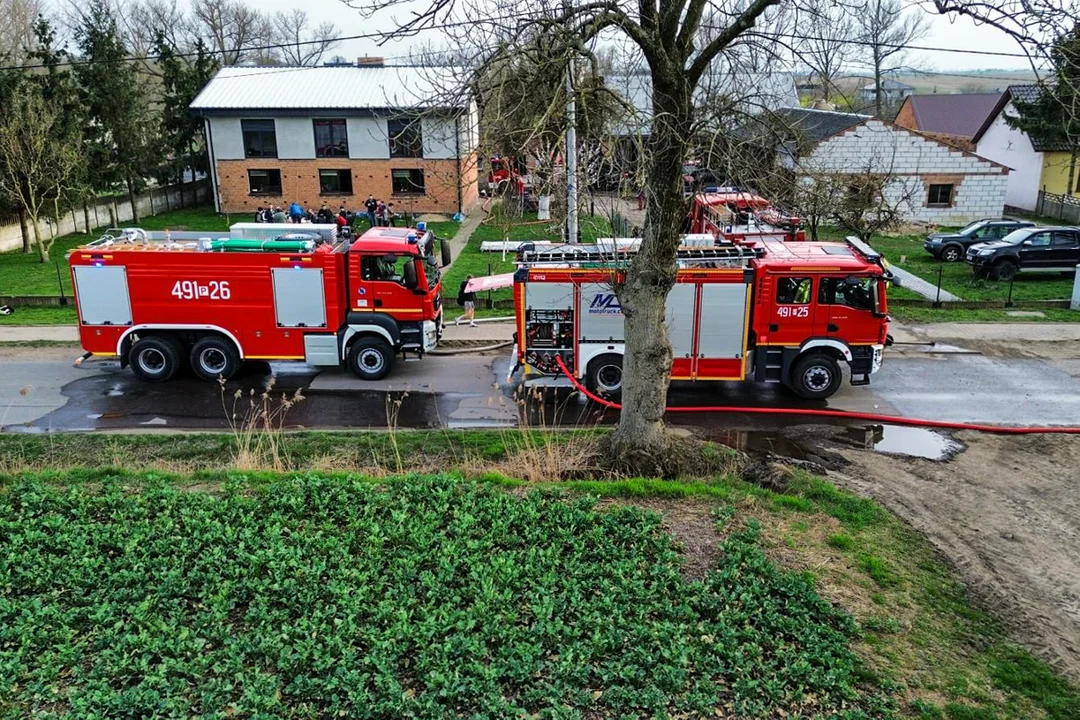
<point x="1055" y="174"/>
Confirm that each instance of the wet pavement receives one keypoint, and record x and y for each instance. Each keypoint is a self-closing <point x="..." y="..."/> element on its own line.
<point x="471" y="391"/>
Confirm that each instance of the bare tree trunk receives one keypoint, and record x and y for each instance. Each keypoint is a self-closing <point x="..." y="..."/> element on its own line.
<point x="25" y="233"/>
<point x="43" y="251"/>
<point x="877" y="82"/>
<point x="641" y="440"/>
<point x="86" y="218"/>
<point x="1071" y="189"/>
<point x="131" y="199"/>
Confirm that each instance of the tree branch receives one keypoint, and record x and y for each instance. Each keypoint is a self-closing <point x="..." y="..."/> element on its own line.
<point x="744" y="22"/>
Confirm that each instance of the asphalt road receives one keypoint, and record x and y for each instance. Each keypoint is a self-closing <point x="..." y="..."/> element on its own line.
<point x="46" y="394"/>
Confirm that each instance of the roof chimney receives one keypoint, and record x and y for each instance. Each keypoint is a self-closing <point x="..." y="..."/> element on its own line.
<point x="368" y="61"/>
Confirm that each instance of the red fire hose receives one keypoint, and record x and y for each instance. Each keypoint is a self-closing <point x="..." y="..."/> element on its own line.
<point x="844" y="414"/>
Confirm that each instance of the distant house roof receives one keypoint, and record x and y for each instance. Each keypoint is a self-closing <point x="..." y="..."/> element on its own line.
<point x="813" y="126"/>
<point x="960" y="115"/>
<point x="331" y="88"/>
<point x="890" y="84"/>
<point x="755" y="92"/>
<point x="1023" y="93"/>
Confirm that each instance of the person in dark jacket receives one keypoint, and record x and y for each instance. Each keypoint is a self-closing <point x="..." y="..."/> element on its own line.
<point x="259" y="216"/>
<point x="371" y="205"/>
<point x="466" y="300"/>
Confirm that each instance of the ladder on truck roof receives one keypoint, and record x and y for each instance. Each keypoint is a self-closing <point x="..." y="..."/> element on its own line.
<point x="737" y="255"/>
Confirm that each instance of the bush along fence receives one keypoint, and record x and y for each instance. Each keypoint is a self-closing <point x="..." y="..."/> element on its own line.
<point x="1063" y="207"/>
<point x="108" y="211"/>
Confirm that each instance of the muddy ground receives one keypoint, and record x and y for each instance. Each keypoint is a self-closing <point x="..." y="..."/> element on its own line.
<point x="1006" y="512"/>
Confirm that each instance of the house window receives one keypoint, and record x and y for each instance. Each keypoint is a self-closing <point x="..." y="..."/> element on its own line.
<point x="264" y="182"/>
<point x="405" y="138"/>
<point x="331" y="138"/>
<point x="335" y="182"/>
<point x="407" y="182"/>
<point x="939" y="196"/>
<point x="260" y="141"/>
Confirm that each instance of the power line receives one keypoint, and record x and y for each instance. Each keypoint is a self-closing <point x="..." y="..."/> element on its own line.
<point x="892" y="46"/>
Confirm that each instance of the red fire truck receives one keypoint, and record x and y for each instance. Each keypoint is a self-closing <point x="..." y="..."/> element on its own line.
<point x="765" y="310"/>
<point x="739" y="216"/>
<point x="161" y="302"/>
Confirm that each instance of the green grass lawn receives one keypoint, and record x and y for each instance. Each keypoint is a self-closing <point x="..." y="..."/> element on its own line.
<point x="41" y="316"/>
<point x="471" y="261"/>
<point x="333" y="594"/>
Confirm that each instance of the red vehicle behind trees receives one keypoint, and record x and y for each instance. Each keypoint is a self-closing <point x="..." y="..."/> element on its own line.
<point x="163" y="303"/>
<point x="759" y="309"/>
<point x="740" y="215"/>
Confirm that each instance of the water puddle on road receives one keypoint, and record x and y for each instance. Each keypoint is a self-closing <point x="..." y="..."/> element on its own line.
<point x="887" y="439"/>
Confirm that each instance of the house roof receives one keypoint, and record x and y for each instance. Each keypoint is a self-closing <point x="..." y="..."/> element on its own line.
<point x="890" y="84"/>
<point x="1023" y="93"/>
<point x="817" y="125"/>
<point x="754" y="91"/>
<point x="960" y="115"/>
<point x="331" y="88"/>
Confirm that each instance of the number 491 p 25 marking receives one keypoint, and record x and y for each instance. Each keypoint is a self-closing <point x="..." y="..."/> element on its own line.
<point x="192" y="290"/>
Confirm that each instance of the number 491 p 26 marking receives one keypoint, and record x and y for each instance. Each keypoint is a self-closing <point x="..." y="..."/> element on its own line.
<point x="192" y="290"/>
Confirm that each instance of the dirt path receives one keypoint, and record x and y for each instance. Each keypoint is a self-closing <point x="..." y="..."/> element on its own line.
<point x="1006" y="512"/>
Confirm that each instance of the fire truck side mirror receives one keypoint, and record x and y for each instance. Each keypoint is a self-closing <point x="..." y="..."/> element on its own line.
<point x="410" y="276"/>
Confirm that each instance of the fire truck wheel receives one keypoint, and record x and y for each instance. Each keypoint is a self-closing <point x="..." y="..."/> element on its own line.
<point x="371" y="358"/>
<point x="213" y="358"/>
<point x="604" y="376"/>
<point x="816" y="376"/>
<point x="155" y="358"/>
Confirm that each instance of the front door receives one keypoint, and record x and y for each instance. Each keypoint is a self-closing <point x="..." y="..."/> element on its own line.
<point x="382" y="286"/>
<point x="793" y="314"/>
<point x="1035" y="252"/>
<point x="845" y="304"/>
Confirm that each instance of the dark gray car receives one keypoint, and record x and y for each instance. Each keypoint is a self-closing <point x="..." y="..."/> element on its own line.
<point x="1028" y="250"/>
<point x="951" y="247"/>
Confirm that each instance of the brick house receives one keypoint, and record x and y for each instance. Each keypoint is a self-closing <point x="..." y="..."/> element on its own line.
<point x="932" y="181"/>
<point x="953" y="119"/>
<point x="336" y="134"/>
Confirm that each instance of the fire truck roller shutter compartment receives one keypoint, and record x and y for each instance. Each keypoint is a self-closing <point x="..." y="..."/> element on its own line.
<point x="103" y="296"/>
<point x="680" y="321"/>
<point x="549" y="323"/>
<point x="299" y="297"/>
<point x="722" y="332"/>
<point x="601" y="314"/>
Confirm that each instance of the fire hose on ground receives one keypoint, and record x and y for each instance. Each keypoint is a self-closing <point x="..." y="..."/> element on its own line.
<point x="841" y="414"/>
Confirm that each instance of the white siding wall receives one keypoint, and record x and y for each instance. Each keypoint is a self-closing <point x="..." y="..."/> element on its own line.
<point x="1012" y="148"/>
<point x="367" y="138"/>
<point x="228" y="140"/>
<point x="438" y="136"/>
<point x="883" y="148"/>
<point x="295" y="138"/>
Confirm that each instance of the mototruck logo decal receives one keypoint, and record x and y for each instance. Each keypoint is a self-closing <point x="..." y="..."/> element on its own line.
<point x="605" y="304"/>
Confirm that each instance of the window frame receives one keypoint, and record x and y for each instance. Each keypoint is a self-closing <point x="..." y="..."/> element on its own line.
<point x="408" y="193"/>
<point x="405" y="125"/>
<point x="269" y="193"/>
<point x="339" y="171"/>
<point x="330" y="123"/>
<point x="261" y="135"/>
<point x="841" y="282"/>
<point x="800" y="280"/>
<point x="930" y="192"/>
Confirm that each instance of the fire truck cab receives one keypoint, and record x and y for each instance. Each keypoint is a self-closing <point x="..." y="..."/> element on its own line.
<point x="161" y="302"/>
<point x="766" y="310"/>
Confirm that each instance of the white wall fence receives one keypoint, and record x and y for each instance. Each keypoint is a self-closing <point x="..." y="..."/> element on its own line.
<point x="108" y="211"/>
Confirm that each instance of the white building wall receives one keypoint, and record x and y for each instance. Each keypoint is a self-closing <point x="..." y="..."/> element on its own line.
<point x="295" y="138"/>
<point x="914" y="161"/>
<point x="438" y="136"/>
<point x="368" y="139"/>
<point x="1012" y="148"/>
<point x="227" y="138"/>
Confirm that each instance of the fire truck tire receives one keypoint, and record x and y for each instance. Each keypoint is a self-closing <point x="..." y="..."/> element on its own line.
<point x="816" y="376"/>
<point x="604" y="376"/>
<point x="371" y="358"/>
<point x="214" y="357"/>
<point x="155" y="358"/>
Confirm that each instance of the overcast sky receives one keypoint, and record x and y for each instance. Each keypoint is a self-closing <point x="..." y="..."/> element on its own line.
<point x="961" y="33"/>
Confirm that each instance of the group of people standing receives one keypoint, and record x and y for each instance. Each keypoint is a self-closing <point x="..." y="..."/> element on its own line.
<point x="376" y="212"/>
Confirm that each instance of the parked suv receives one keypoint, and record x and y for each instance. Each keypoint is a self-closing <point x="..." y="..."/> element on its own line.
<point x="951" y="247"/>
<point x="1028" y="250"/>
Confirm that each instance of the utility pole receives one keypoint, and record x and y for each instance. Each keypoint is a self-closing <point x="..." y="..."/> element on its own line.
<point x="571" y="158"/>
